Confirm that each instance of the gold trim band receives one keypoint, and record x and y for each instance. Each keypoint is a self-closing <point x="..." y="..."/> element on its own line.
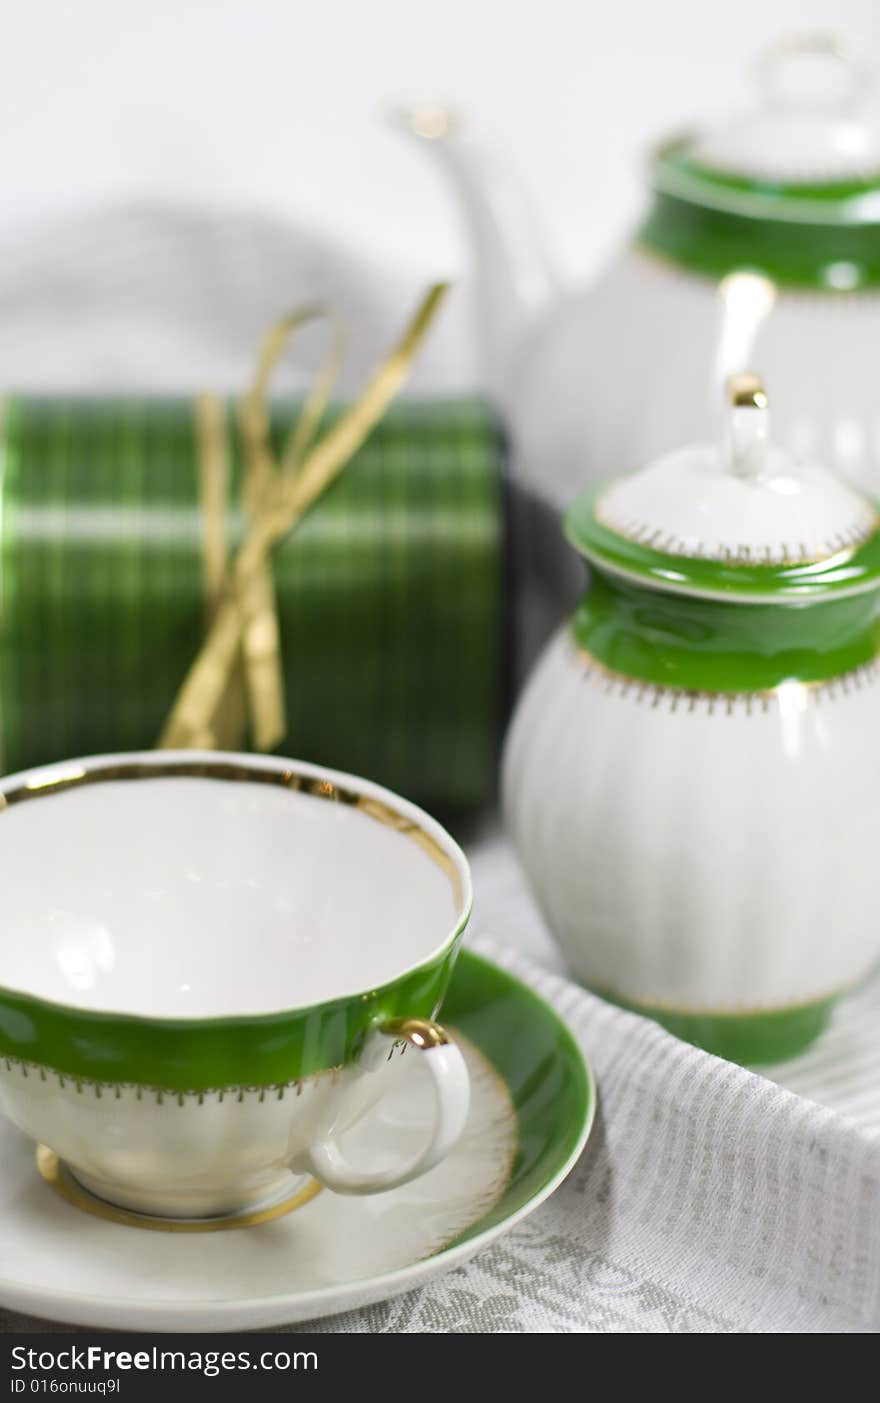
<point x="728" y="703"/>
<point x="62" y="1182"/>
<point x="163" y="1095"/>
<point x="833" y="552"/>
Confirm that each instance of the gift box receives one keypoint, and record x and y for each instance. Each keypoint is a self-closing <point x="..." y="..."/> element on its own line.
<point x="390" y="591"/>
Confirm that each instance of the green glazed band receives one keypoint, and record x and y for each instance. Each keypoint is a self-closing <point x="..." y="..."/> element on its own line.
<point x="713" y="646"/>
<point x="853" y="200"/>
<point x="709" y="626"/>
<point x="535" y="1053"/>
<point x="848" y="573"/>
<point x="183" y="1055"/>
<point x="748" y="1038"/>
<point x="819" y="237"/>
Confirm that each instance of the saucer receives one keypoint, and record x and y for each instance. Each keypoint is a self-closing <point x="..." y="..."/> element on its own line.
<point x="532" y="1106"/>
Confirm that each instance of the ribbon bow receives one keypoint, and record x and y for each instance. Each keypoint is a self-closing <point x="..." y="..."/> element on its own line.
<point x="237" y="673"/>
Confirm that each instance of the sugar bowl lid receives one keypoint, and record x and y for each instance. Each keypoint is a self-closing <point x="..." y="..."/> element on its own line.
<point x="741" y="518"/>
<point x="808" y="149"/>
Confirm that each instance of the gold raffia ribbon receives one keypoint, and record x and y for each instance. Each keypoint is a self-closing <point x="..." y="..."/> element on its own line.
<point x="243" y="632"/>
<point x="214" y="471"/>
<point x="213" y="460"/>
<point x="261" y="638"/>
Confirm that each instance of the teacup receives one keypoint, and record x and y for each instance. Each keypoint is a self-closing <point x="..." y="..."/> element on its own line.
<point x="205" y="960"/>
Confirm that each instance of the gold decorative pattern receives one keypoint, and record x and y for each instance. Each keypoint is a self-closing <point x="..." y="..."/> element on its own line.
<point x="60" y="778"/>
<point x="162" y="1095"/>
<point x="836" y="550"/>
<point x="672" y="699"/>
<point x="59" y="1178"/>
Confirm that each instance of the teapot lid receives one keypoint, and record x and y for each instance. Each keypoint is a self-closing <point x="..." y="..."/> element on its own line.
<point x="741" y="518"/>
<point x="809" y="148"/>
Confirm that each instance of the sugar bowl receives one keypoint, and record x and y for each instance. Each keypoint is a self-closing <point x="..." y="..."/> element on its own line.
<point x="692" y="775"/>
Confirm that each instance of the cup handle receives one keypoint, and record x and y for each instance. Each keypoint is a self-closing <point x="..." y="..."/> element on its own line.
<point x="326" y="1161"/>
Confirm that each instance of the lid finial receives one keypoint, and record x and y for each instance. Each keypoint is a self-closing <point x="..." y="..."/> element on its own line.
<point x="747" y="425"/>
<point x="831" y="73"/>
<point x="741" y="517"/>
<point x="812" y="135"/>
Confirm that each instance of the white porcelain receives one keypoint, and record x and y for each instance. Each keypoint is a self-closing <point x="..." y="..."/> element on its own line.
<point x="675" y="845"/>
<point x="154" y="897"/>
<point x="811" y="121"/>
<point x="601" y="387"/>
<point x="694" y="502"/>
<point x="333" y="1254"/>
<point x="706" y="849"/>
<point x="330" y="1255"/>
<point x="226" y="929"/>
<point x="599" y="380"/>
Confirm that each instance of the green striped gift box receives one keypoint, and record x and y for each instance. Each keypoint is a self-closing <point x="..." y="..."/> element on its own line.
<point x="391" y="591"/>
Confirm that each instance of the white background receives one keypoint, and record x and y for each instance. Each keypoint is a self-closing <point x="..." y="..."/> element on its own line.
<point x="276" y="103"/>
<point x="275" y="107"/>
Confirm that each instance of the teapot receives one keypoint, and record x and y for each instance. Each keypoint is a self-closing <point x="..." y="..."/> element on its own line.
<point x="692" y="774"/>
<point x="760" y="245"/>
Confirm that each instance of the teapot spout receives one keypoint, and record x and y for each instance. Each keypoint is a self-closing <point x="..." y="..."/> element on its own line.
<point x="517" y="283"/>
